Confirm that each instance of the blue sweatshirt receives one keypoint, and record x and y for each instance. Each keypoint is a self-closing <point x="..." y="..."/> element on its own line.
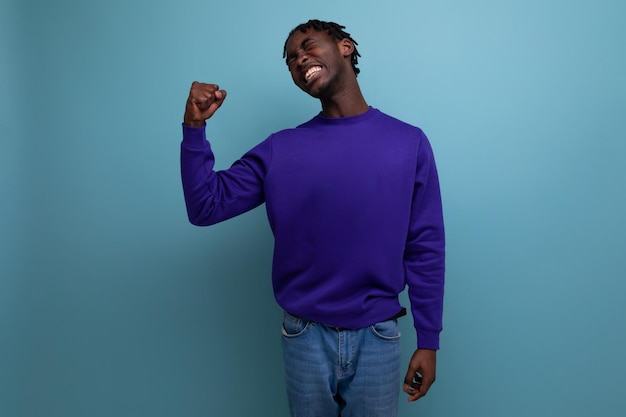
<point x="355" y="209"/>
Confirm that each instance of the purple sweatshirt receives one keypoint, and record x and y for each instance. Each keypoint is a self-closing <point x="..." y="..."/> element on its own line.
<point x="355" y="208"/>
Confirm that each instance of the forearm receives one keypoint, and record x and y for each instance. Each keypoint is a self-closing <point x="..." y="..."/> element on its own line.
<point x="214" y="196"/>
<point x="425" y="278"/>
<point x="196" y="164"/>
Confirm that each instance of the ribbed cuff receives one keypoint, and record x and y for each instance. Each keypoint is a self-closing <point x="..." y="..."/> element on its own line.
<point x="194" y="135"/>
<point x="427" y="339"/>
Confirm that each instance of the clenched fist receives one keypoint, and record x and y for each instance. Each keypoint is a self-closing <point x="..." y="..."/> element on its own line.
<point x="203" y="101"/>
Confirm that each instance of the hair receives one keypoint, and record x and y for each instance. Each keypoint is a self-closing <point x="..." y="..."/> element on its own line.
<point x="335" y="30"/>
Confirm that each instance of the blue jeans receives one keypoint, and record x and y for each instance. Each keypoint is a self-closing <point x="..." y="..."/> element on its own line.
<point x="334" y="372"/>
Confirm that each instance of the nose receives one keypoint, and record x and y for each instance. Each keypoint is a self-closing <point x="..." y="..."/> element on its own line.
<point x="302" y="58"/>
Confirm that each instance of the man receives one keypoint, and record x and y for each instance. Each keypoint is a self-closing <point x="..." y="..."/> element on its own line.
<point x="352" y="197"/>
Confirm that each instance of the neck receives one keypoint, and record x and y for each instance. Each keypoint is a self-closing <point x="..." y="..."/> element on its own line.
<point x="349" y="102"/>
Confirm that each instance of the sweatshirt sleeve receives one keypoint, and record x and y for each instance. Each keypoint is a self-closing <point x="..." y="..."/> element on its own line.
<point x="214" y="196"/>
<point x="424" y="258"/>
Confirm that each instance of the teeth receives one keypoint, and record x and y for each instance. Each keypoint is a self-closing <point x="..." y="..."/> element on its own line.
<point x="311" y="72"/>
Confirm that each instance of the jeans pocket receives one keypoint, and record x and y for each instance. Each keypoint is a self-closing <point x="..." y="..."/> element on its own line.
<point x="294" y="326"/>
<point x="387" y="330"/>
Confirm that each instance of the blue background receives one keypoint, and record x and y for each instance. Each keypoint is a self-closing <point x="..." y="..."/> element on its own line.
<point x="111" y="304"/>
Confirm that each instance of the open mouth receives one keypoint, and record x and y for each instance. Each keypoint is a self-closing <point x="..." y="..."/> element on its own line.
<point x="311" y="72"/>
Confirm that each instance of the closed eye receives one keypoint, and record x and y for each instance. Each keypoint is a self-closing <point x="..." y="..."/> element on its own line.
<point x="306" y="46"/>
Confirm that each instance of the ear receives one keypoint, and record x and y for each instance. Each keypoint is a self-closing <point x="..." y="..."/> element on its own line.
<point x="346" y="47"/>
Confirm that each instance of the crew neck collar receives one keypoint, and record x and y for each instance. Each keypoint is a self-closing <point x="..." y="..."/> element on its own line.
<point x="347" y="120"/>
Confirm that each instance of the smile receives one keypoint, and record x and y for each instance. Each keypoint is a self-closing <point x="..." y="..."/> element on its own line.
<point x="311" y="72"/>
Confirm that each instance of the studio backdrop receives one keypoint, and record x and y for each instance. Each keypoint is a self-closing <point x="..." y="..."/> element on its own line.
<point x="112" y="304"/>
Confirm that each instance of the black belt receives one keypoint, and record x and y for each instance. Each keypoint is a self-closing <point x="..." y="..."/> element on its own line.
<point x="400" y="314"/>
<point x="396" y="316"/>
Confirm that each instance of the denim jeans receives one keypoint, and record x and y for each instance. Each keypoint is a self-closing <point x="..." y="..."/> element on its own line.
<point x="333" y="372"/>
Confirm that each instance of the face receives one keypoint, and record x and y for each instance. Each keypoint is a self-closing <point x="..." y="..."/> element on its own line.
<point x="318" y="63"/>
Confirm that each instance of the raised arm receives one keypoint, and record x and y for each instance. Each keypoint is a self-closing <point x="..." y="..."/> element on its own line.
<point x="213" y="196"/>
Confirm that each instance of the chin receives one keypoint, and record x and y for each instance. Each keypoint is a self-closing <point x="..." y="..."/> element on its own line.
<point x="313" y="93"/>
<point x="320" y="92"/>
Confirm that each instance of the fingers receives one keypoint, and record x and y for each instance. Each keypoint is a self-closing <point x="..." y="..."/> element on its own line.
<point x="218" y="98"/>
<point x="203" y="102"/>
<point x="417" y="388"/>
<point x="420" y="375"/>
<point x="204" y="95"/>
<point x="414" y="386"/>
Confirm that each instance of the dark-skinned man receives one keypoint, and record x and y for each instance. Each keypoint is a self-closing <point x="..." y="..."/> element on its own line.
<point x="352" y="197"/>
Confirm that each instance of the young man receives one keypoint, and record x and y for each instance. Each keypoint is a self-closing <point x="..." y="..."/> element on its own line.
<point x="352" y="197"/>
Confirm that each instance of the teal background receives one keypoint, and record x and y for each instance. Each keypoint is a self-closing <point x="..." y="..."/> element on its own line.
<point x="111" y="304"/>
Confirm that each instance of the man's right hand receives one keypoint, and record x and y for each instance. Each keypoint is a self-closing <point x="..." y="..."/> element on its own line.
<point x="203" y="101"/>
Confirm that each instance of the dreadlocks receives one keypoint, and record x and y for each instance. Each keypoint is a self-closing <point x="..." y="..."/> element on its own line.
<point x="334" y="30"/>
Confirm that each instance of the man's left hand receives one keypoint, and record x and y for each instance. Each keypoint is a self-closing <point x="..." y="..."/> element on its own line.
<point x="424" y="362"/>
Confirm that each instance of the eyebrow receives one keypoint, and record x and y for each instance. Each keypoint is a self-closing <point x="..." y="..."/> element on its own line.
<point x="303" y="44"/>
<point x="306" y="41"/>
